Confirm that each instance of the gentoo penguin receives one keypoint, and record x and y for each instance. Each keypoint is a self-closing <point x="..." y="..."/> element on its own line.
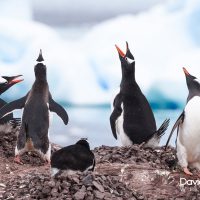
<point x="5" y="83"/>
<point x="37" y="104"/>
<point x="188" y="129"/>
<point x="132" y="120"/>
<point x="76" y="157"/>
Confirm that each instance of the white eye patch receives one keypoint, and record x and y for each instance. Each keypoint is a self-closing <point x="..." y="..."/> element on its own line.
<point x="197" y="80"/>
<point x="129" y="60"/>
<point x="2" y="80"/>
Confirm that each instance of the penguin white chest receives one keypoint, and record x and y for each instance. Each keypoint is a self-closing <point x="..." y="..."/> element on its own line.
<point x="125" y="141"/>
<point x="189" y="134"/>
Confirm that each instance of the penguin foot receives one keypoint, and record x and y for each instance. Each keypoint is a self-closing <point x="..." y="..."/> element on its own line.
<point x="18" y="160"/>
<point x="186" y="171"/>
<point x="48" y="163"/>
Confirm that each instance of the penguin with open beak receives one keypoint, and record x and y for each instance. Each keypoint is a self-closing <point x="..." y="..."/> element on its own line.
<point x="188" y="129"/>
<point x="37" y="104"/>
<point x="8" y="81"/>
<point x="132" y="120"/>
<point x="5" y="83"/>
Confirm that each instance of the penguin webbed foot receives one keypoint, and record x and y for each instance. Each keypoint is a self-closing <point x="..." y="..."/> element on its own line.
<point x="48" y="163"/>
<point x="18" y="160"/>
<point x="187" y="172"/>
<point x="142" y="145"/>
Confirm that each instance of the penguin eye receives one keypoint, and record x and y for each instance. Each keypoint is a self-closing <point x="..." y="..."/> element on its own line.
<point x="130" y="61"/>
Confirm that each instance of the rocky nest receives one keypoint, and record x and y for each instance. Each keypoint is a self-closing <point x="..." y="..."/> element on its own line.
<point x="121" y="173"/>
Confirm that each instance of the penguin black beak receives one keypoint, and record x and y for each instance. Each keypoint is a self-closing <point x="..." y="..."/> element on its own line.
<point x="186" y="72"/>
<point x="40" y="57"/>
<point x="127" y="48"/>
<point x="13" y="79"/>
<point x="121" y="53"/>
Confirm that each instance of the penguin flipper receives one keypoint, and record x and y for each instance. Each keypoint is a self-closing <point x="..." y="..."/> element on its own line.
<point x="176" y="125"/>
<point x="2" y="103"/>
<point x="8" y="117"/>
<point x="59" y="110"/>
<point x="17" y="104"/>
<point x="115" y="114"/>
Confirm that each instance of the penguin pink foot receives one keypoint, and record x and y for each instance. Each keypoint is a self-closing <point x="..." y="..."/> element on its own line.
<point x="18" y="160"/>
<point x="48" y="162"/>
<point x="186" y="171"/>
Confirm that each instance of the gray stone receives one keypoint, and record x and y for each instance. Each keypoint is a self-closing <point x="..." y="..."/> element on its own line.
<point x="79" y="195"/>
<point x="98" y="194"/>
<point x="98" y="186"/>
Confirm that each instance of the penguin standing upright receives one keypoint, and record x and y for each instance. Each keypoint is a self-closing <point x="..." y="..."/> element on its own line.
<point x="188" y="129"/>
<point x="5" y="83"/>
<point x="76" y="157"/>
<point x="37" y="104"/>
<point x="132" y="120"/>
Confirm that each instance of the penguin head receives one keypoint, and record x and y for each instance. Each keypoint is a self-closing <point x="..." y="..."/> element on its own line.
<point x="127" y="60"/>
<point x="83" y="142"/>
<point x="40" y="68"/>
<point x="192" y="81"/>
<point x="8" y="81"/>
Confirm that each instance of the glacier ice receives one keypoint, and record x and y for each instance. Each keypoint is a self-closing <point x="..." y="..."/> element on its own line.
<point x="86" y="70"/>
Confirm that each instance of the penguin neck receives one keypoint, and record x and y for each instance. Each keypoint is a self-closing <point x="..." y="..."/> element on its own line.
<point x="41" y="79"/>
<point x="2" y="90"/>
<point x="193" y="93"/>
<point x="128" y="85"/>
<point x="128" y="79"/>
<point x="40" y="84"/>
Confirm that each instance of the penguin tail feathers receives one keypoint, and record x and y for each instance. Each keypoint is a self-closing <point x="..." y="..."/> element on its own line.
<point x="155" y="139"/>
<point x="161" y="131"/>
<point x="15" y="122"/>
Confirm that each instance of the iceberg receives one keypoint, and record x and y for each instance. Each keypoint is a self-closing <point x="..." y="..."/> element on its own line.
<point x="86" y="70"/>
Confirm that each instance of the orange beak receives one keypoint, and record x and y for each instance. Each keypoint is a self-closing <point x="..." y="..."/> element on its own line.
<point x="185" y="71"/>
<point x="15" y="79"/>
<point x="121" y="53"/>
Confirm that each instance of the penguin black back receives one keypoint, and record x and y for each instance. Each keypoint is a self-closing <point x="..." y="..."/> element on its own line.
<point x="74" y="157"/>
<point x="132" y="113"/>
<point x="37" y="105"/>
<point x="84" y="143"/>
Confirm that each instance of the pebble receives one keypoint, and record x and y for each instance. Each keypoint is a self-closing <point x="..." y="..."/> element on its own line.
<point x="79" y="195"/>
<point x="89" y="185"/>
<point x="98" y="186"/>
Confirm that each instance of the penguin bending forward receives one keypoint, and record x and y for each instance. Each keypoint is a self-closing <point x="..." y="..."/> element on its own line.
<point x="37" y="104"/>
<point x="132" y="120"/>
<point x="188" y="129"/>
<point x="77" y="157"/>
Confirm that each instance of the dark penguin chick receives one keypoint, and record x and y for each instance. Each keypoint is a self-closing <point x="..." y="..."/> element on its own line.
<point x="5" y="83"/>
<point x="76" y="157"/>
<point x="37" y="105"/>
<point x="132" y="120"/>
<point x="188" y="129"/>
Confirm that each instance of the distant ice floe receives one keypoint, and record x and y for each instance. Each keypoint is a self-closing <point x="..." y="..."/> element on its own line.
<point x="87" y="70"/>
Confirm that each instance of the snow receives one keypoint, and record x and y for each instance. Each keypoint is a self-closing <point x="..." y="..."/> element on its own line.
<point x="86" y="70"/>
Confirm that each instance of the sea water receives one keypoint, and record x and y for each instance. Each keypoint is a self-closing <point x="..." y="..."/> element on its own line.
<point x="93" y="124"/>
